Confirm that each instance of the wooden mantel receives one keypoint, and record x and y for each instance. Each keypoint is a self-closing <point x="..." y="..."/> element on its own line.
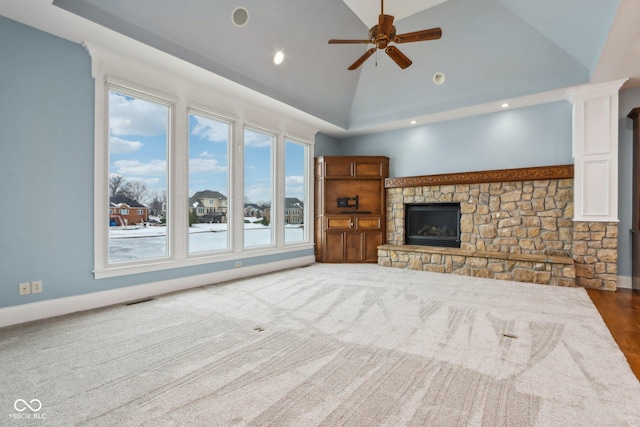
<point x="500" y="175"/>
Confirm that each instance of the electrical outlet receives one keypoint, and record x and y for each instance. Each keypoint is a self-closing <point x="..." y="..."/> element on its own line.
<point x="36" y="287"/>
<point x="238" y="263"/>
<point x="24" y="288"/>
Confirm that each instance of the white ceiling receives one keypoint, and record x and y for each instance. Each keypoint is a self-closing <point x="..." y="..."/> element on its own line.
<point x="490" y="51"/>
<point x="369" y="10"/>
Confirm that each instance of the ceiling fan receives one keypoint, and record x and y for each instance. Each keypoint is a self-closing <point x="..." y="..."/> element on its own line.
<point x="384" y="33"/>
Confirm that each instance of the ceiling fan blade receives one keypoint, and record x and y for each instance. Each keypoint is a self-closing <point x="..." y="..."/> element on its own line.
<point x="363" y="58"/>
<point x="341" y="41"/>
<point x="419" y="36"/>
<point x="385" y="24"/>
<point x="399" y="57"/>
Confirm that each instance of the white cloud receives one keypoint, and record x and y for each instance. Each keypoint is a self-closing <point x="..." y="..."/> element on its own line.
<point x="206" y="155"/>
<point x="134" y="167"/>
<point x="258" y="193"/>
<point x="257" y="139"/>
<point x="210" y="129"/>
<point x="148" y="181"/>
<point x="294" y="179"/>
<point x="294" y="186"/>
<point x="205" y="165"/>
<point x="133" y="116"/>
<point x="123" y="146"/>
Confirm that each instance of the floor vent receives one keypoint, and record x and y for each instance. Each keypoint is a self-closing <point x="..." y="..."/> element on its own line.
<point x="138" y="301"/>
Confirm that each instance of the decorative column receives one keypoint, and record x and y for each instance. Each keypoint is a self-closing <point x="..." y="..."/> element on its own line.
<point x="595" y="153"/>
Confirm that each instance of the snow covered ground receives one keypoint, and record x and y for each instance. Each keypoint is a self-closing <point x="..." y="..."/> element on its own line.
<point x="151" y="241"/>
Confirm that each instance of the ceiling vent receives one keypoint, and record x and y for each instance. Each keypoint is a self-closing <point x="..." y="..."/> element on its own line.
<point x="240" y="16"/>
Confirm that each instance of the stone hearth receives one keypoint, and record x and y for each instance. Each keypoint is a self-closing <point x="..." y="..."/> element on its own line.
<point x="515" y="224"/>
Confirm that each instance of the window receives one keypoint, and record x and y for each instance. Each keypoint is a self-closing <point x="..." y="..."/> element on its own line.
<point x="212" y="187"/>
<point x="296" y="155"/>
<point x="209" y="139"/>
<point x="258" y="187"/>
<point x="138" y="144"/>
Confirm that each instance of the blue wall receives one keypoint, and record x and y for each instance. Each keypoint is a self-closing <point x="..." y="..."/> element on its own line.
<point x="46" y="172"/>
<point x="525" y="137"/>
<point x="326" y="145"/>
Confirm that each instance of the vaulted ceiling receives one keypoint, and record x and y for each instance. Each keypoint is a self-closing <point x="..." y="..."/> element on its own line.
<point x="490" y="50"/>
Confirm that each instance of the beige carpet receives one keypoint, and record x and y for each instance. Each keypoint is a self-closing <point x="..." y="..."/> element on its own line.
<point x="329" y="345"/>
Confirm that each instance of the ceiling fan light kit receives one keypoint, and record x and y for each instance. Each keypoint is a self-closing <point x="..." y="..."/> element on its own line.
<point x="384" y="33"/>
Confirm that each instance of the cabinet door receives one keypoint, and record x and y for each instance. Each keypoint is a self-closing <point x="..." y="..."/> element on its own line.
<point x="353" y="249"/>
<point x="338" y="169"/>
<point x="339" y="222"/>
<point x="368" y="223"/>
<point x="371" y="242"/>
<point x="367" y="169"/>
<point x="334" y="246"/>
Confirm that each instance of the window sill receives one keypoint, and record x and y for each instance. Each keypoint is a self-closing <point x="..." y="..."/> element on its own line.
<point x="149" y="266"/>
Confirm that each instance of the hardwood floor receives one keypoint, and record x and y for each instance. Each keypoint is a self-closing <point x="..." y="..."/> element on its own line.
<point x="620" y="311"/>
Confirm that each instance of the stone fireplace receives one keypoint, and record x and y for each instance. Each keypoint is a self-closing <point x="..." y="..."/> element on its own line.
<point x="515" y="224"/>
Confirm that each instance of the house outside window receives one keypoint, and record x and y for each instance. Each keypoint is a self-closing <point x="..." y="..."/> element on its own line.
<point x="296" y="182"/>
<point x="139" y="140"/>
<point x="259" y="146"/>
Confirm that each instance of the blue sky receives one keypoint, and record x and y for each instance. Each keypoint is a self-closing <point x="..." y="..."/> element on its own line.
<point x="138" y="151"/>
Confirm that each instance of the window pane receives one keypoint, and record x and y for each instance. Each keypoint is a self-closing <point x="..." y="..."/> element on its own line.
<point x="138" y="145"/>
<point x="208" y="184"/>
<point x="258" y="188"/>
<point x="295" y="184"/>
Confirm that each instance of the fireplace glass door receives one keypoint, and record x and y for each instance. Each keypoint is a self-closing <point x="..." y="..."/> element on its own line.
<point x="432" y="224"/>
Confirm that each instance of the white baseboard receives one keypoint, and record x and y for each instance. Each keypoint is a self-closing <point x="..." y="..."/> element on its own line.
<point x="625" y="282"/>
<point x="60" y="306"/>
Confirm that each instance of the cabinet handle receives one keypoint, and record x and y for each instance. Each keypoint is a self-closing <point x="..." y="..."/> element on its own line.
<point x="350" y="224"/>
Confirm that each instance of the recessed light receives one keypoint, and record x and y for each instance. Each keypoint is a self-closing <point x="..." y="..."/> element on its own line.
<point x="413" y="122"/>
<point x="278" y="57"/>
<point x="439" y="78"/>
<point x="505" y="105"/>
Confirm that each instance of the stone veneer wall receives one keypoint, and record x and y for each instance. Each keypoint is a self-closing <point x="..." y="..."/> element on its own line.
<point x="595" y="252"/>
<point x="531" y="218"/>
<point x="523" y="217"/>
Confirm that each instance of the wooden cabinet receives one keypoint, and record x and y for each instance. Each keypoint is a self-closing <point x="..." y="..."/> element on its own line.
<point x="350" y="207"/>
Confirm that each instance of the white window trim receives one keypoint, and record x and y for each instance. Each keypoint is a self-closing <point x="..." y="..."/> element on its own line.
<point x="186" y="86"/>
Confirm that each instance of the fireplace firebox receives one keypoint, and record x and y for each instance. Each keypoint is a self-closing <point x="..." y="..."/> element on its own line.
<point x="432" y="224"/>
